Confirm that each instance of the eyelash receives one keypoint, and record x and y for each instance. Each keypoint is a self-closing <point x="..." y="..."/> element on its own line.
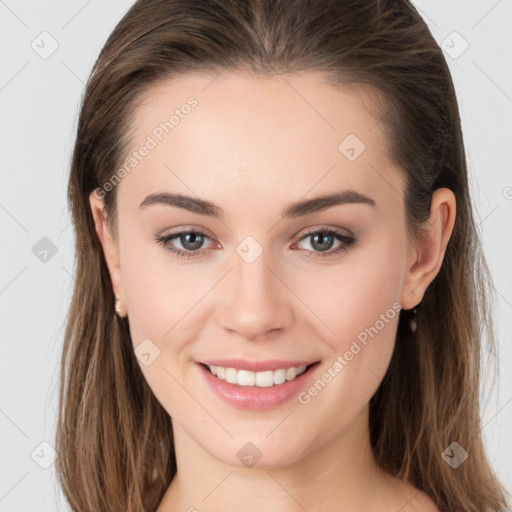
<point x="347" y="242"/>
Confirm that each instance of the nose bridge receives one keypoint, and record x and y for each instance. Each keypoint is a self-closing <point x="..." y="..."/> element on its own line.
<point x="257" y="301"/>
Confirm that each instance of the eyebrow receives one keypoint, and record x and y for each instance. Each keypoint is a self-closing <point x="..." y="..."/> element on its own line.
<point x="297" y="209"/>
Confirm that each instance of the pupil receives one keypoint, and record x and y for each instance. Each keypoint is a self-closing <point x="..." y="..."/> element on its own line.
<point x="321" y="237"/>
<point x="193" y="239"/>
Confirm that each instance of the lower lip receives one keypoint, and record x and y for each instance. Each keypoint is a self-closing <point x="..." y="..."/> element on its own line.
<point x="256" y="398"/>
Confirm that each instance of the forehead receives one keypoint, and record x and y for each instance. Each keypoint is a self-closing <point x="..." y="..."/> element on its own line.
<point x="285" y="134"/>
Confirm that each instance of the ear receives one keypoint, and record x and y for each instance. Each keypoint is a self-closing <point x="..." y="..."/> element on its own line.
<point x="427" y="249"/>
<point x="110" y="247"/>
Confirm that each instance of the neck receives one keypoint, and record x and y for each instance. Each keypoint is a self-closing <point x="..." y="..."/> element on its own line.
<point x="340" y="475"/>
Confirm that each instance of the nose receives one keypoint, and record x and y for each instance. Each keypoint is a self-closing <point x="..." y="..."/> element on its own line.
<point x="257" y="301"/>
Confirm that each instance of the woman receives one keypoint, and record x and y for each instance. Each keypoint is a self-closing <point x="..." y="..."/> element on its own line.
<point x="279" y="280"/>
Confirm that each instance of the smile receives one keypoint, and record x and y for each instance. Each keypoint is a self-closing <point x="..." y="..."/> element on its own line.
<point x="257" y="385"/>
<point x="264" y="379"/>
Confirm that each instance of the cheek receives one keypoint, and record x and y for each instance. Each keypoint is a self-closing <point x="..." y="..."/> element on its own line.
<point x="361" y="305"/>
<point x="162" y="320"/>
<point x="353" y="294"/>
<point x="161" y="292"/>
<point x="166" y="301"/>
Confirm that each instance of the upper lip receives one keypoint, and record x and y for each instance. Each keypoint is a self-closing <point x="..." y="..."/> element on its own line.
<point x="256" y="366"/>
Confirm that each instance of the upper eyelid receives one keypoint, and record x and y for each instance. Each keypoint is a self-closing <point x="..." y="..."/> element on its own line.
<point x="307" y="231"/>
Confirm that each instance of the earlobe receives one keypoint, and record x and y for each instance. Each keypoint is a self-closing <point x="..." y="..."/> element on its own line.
<point x="108" y="243"/>
<point x="428" y="250"/>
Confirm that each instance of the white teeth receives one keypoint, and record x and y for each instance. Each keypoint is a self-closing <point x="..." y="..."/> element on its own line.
<point x="246" y="378"/>
<point x="265" y="379"/>
<point x="279" y="376"/>
<point x="231" y="376"/>
<point x="259" y="379"/>
<point x="291" y="373"/>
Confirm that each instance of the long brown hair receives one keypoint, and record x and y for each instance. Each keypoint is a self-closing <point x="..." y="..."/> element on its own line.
<point x="114" y="439"/>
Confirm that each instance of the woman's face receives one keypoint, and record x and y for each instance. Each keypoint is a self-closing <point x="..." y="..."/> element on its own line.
<point x="255" y="292"/>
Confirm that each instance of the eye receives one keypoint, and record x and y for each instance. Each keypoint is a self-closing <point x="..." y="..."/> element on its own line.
<point x="190" y="240"/>
<point x="321" y="243"/>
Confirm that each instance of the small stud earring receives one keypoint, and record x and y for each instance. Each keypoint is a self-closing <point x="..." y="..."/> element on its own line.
<point x="117" y="306"/>
<point x="413" y="323"/>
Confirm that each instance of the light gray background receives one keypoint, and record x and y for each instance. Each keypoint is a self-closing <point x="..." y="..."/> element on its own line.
<point x="39" y="101"/>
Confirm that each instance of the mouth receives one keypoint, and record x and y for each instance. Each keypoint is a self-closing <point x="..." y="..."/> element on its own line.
<point x="257" y="385"/>
<point x="261" y="379"/>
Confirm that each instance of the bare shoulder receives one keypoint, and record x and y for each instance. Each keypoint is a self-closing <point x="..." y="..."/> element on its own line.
<point x="417" y="501"/>
<point x="421" y="503"/>
<point x="408" y="498"/>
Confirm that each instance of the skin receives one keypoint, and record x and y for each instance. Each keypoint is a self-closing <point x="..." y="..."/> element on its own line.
<point x="254" y="145"/>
